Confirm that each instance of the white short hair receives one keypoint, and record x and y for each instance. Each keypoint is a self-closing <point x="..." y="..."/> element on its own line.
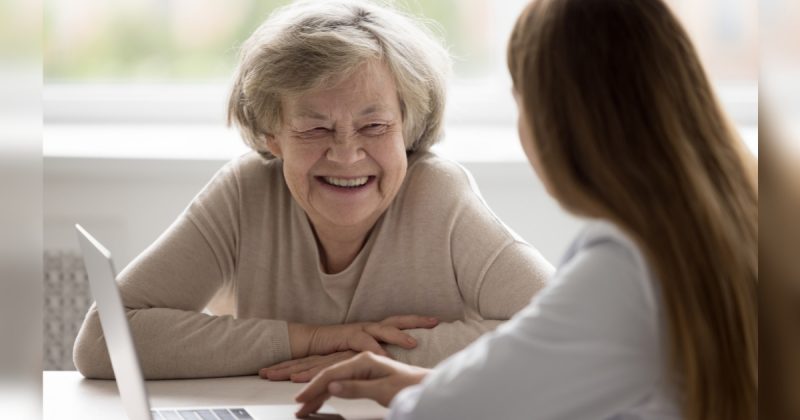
<point x="309" y="44"/>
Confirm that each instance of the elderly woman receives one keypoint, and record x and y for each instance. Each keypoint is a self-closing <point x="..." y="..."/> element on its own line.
<point x="340" y="233"/>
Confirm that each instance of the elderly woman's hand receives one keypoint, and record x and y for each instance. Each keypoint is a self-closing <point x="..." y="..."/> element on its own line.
<point x="303" y="370"/>
<point x="364" y="376"/>
<point x="387" y="331"/>
<point x="309" y="340"/>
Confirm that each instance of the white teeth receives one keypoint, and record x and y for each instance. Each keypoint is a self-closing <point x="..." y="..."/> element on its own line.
<point x="351" y="183"/>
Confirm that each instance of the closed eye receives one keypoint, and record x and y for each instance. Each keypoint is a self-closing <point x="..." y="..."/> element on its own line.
<point x="314" y="132"/>
<point x="374" y="129"/>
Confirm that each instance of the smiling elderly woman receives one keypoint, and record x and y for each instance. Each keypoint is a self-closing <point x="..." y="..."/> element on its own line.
<point x="340" y="233"/>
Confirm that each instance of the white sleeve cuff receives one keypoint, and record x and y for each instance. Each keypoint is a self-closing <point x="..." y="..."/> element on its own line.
<point x="403" y="404"/>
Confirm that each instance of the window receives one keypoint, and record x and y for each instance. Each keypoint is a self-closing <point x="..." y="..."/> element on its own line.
<point x="168" y="62"/>
<point x="195" y="40"/>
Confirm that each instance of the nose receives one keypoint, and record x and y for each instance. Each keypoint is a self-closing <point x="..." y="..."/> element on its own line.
<point x="345" y="149"/>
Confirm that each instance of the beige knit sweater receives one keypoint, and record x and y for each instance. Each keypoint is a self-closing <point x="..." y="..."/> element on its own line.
<point x="245" y="251"/>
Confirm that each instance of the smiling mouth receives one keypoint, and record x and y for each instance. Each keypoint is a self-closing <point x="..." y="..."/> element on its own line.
<point x="346" y="182"/>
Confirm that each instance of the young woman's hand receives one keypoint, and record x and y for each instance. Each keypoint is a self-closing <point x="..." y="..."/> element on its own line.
<point x="308" y="340"/>
<point x="363" y="376"/>
<point x="302" y="370"/>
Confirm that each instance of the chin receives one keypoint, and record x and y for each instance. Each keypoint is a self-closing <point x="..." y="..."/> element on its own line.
<point x="349" y="218"/>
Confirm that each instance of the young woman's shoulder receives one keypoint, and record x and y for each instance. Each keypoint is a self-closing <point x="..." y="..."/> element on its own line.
<point x="600" y="235"/>
<point x="607" y="257"/>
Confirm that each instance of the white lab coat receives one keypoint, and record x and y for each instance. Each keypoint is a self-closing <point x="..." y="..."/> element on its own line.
<point x="591" y="345"/>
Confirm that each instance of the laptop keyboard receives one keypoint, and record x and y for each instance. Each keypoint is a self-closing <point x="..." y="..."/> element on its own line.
<point x="202" y="414"/>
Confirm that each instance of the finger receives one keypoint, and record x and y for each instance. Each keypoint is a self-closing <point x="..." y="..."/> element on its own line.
<point x="272" y="375"/>
<point x="312" y="371"/>
<point x="312" y="406"/>
<point x="374" y="389"/>
<point x="405" y="322"/>
<point x="391" y="335"/>
<point x="288" y="363"/>
<point x="286" y="374"/>
<point x="363" y="366"/>
<point x="306" y="375"/>
<point x="362" y="341"/>
<point x="278" y="373"/>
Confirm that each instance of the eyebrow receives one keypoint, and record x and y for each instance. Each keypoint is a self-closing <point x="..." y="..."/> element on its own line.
<point x="371" y="109"/>
<point x="310" y="113"/>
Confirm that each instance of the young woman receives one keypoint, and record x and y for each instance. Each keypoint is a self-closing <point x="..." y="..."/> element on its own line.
<point x="652" y="314"/>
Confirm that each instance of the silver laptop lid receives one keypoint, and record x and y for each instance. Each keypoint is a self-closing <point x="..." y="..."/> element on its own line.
<point x="117" y="333"/>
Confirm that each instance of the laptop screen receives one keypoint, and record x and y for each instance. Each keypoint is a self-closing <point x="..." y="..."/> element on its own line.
<point x="102" y="280"/>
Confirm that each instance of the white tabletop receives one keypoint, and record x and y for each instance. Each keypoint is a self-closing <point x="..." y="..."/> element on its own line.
<point x="68" y="395"/>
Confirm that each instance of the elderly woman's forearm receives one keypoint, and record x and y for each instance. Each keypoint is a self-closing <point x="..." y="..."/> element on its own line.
<point x="437" y="344"/>
<point x="174" y="344"/>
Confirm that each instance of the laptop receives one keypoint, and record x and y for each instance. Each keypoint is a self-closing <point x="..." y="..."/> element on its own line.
<point x="125" y="361"/>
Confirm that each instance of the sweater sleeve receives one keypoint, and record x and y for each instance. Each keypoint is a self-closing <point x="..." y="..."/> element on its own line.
<point x="587" y="347"/>
<point x="517" y="273"/>
<point x="497" y="275"/>
<point x="165" y="290"/>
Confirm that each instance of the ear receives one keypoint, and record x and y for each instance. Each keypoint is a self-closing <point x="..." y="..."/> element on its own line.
<point x="273" y="145"/>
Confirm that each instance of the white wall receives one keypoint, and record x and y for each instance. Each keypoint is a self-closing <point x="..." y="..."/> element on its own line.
<point x="127" y="203"/>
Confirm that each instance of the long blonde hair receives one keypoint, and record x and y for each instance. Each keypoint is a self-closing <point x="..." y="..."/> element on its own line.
<point x="627" y="128"/>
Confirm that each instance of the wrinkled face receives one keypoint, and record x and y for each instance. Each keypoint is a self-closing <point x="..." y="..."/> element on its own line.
<point x="343" y="149"/>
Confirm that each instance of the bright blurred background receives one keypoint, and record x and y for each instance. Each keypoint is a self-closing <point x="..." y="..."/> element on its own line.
<point x="170" y="61"/>
<point x="20" y="209"/>
<point x="195" y="40"/>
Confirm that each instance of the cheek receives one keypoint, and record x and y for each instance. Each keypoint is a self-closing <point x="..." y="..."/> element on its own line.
<point x="295" y="180"/>
<point x="391" y="156"/>
<point x="398" y="155"/>
<point x="525" y="140"/>
<point x="297" y="166"/>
